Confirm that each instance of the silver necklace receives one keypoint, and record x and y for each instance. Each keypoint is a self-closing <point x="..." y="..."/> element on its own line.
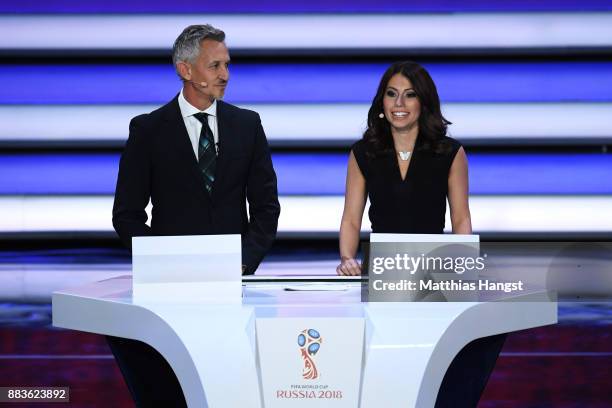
<point x="404" y="155"/>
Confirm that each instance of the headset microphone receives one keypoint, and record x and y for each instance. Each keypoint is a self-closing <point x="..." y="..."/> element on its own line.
<point x="200" y="84"/>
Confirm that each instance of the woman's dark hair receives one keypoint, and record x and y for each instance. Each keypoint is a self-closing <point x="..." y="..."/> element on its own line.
<point x="432" y="125"/>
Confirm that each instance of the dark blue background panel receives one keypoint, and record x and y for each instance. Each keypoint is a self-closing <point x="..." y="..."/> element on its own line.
<point x="299" y="6"/>
<point x="320" y="173"/>
<point x="307" y="83"/>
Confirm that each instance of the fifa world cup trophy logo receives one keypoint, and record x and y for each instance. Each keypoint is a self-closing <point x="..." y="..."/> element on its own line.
<point x="309" y="341"/>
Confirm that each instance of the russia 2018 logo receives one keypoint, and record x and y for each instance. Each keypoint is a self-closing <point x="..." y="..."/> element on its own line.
<point x="309" y="341"/>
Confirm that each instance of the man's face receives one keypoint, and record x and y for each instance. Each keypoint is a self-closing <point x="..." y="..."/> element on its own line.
<point x="212" y="67"/>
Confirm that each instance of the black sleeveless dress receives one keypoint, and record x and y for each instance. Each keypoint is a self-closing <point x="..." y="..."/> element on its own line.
<point x="415" y="205"/>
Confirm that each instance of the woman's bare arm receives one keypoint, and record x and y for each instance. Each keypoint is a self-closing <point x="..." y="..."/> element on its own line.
<point x="458" y="194"/>
<point x="354" y="204"/>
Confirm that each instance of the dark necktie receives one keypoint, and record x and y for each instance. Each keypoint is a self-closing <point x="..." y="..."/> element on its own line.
<point x="207" y="157"/>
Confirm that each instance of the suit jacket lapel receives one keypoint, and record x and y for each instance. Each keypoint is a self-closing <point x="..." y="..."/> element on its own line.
<point x="224" y="131"/>
<point x="178" y="134"/>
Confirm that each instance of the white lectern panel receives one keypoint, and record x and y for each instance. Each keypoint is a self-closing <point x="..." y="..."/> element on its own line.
<point x="310" y="362"/>
<point x="202" y="268"/>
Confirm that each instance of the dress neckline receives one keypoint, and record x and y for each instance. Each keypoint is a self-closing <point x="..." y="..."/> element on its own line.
<point x="410" y="161"/>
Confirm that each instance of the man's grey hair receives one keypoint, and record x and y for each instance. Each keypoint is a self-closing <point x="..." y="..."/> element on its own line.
<point x="187" y="45"/>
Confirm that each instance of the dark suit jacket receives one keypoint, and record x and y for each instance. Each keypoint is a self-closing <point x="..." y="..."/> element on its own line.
<point x="159" y="163"/>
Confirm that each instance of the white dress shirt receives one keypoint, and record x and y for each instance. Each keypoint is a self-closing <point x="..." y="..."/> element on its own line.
<point x="194" y="126"/>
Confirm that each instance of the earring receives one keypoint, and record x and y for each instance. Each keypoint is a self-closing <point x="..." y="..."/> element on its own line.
<point x="381" y="115"/>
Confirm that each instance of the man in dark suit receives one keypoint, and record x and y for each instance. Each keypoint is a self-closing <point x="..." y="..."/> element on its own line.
<point x="198" y="159"/>
<point x="165" y="159"/>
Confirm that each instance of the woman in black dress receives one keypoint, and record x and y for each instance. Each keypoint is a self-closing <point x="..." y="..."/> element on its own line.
<point x="408" y="168"/>
<point x="405" y="164"/>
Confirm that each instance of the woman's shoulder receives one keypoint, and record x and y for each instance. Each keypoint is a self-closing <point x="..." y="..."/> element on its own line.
<point x="453" y="143"/>
<point x="359" y="149"/>
<point x="448" y="147"/>
<point x="359" y="145"/>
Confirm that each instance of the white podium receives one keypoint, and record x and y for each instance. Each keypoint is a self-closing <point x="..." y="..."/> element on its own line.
<point x="227" y="355"/>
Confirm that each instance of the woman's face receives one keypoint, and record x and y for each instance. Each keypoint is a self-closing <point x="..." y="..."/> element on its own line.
<point x="401" y="104"/>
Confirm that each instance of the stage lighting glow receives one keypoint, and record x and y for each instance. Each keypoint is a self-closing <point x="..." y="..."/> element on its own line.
<point x="314" y="31"/>
<point x="326" y="82"/>
<point x="334" y="122"/>
<point x="321" y="215"/>
<point x="300" y="173"/>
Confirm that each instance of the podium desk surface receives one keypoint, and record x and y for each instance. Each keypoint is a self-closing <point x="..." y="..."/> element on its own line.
<point x="213" y="348"/>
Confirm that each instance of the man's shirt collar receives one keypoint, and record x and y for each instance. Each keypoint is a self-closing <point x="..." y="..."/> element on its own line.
<point x="188" y="109"/>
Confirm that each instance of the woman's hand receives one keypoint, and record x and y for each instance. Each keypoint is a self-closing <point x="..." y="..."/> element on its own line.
<point x="349" y="267"/>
